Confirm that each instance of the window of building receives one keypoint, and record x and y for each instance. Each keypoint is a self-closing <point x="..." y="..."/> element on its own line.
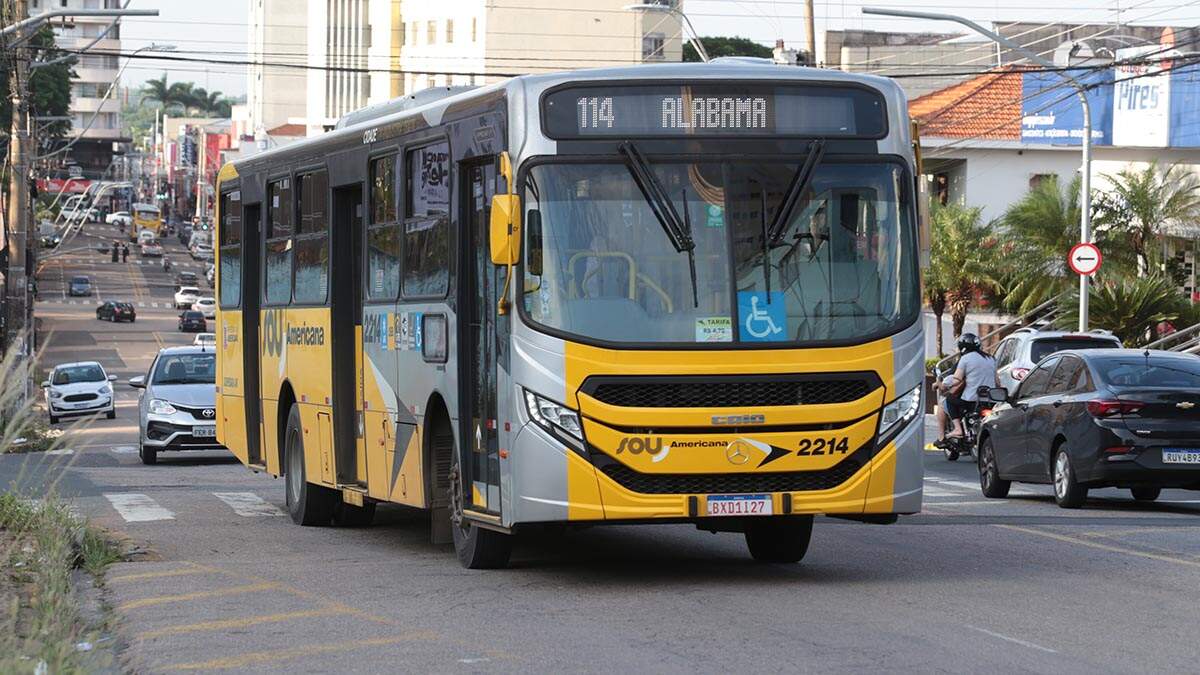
<point x="426" y="228"/>
<point x="230" y="273"/>
<point x="383" y="232"/>
<point x="449" y="30"/>
<point x="278" y="287"/>
<point x="312" y="239"/>
<point x="652" y="46"/>
<point x="412" y="38"/>
<point x="474" y="27"/>
<point x="430" y="82"/>
<point x="402" y="34"/>
<point x="431" y="33"/>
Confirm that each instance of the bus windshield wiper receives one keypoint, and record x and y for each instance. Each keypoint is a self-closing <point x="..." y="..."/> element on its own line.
<point x="796" y="187"/>
<point x="678" y="230"/>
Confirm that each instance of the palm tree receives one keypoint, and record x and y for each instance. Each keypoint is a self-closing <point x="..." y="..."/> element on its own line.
<point x="1141" y="203"/>
<point x="1040" y="229"/>
<point x="935" y="295"/>
<point x="1130" y="307"/>
<point x="961" y="258"/>
<point x="168" y="95"/>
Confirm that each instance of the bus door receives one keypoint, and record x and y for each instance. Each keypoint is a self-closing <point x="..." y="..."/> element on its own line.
<point x="251" y="320"/>
<point x="346" y="328"/>
<point x="478" y="343"/>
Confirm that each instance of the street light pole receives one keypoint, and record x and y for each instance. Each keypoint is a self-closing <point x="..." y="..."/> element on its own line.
<point x="1085" y="217"/>
<point x="693" y="36"/>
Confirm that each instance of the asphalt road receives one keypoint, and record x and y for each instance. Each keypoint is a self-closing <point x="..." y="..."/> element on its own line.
<point x="223" y="580"/>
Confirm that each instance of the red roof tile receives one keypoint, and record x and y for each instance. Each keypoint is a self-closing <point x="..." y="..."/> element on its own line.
<point x="288" y="130"/>
<point x="987" y="107"/>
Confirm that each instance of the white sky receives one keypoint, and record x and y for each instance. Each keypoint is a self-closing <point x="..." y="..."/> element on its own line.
<point x="218" y="27"/>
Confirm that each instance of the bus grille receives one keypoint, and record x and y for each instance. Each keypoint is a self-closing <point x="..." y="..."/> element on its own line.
<point x="724" y="483"/>
<point x="721" y="392"/>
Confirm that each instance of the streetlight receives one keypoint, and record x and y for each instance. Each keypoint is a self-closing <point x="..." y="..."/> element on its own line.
<point x="694" y="37"/>
<point x="1085" y="217"/>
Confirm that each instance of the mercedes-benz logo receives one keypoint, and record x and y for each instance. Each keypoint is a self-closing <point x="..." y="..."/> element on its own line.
<point x="208" y="412"/>
<point x="736" y="453"/>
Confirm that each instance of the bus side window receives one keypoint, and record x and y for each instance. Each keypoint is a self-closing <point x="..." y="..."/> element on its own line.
<point x="278" y="270"/>
<point x="229" y="277"/>
<point x="426" y="270"/>
<point x="383" y="232"/>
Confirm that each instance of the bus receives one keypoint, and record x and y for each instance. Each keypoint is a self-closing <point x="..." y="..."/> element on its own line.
<point x="145" y="217"/>
<point x="683" y="293"/>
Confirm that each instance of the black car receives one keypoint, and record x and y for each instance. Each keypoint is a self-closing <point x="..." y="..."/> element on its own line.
<point x="116" y="311"/>
<point x="1124" y="418"/>
<point x="186" y="279"/>
<point x="185" y="234"/>
<point x="79" y="286"/>
<point x="192" y="322"/>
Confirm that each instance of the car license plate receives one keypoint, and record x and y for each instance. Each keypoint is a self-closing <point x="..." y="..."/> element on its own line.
<point x="204" y="432"/>
<point x="740" y="505"/>
<point x="1180" y="456"/>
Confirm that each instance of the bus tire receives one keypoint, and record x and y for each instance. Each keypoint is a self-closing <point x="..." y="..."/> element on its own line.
<point x="779" y="539"/>
<point x="307" y="504"/>
<point x="477" y="548"/>
<point x="349" y="515"/>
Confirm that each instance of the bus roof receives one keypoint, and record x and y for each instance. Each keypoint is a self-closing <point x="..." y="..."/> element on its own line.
<point x="145" y="207"/>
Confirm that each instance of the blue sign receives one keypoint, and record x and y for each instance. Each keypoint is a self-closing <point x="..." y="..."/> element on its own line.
<point x="760" y="320"/>
<point x="1050" y="110"/>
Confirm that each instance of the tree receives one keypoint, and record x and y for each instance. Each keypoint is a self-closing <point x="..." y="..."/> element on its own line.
<point x="1130" y="307"/>
<point x="177" y="95"/>
<point x="935" y="294"/>
<point x="49" y="87"/>
<point x="961" y="258"/>
<point x="726" y="46"/>
<point x="1141" y="203"/>
<point x="1040" y="230"/>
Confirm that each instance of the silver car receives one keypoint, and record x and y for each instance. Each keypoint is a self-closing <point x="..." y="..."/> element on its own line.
<point x="1024" y="348"/>
<point x="177" y="408"/>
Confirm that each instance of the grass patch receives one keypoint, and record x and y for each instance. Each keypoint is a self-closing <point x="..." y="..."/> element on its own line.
<point x="38" y="436"/>
<point x="41" y="543"/>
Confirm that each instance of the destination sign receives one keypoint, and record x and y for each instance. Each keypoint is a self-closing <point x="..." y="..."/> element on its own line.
<point x="714" y="110"/>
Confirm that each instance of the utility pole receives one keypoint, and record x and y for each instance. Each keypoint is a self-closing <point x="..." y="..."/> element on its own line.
<point x="200" y="176"/>
<point x="810" y="33"/>
<point x="17" y="222"/>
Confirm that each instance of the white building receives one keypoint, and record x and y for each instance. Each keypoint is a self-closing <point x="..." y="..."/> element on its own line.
<point x="276" y="34"/>
<point x="95" y="73"/>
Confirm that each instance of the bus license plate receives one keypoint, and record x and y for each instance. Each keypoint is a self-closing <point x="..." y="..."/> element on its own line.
<point x="740" y="505"/>
<point x="1181" y="456"/>
<point x="204" y="432"/>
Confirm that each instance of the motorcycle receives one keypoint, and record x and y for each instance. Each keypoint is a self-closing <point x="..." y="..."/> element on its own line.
<point x="956" y="446"/>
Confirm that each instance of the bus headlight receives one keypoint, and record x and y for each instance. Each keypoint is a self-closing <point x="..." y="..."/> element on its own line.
<point x="559" y="420"/>
<point x="897" y="414"/>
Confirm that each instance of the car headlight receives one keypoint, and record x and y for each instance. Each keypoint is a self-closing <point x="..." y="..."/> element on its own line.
<point x="105" y="390"/>
<point x="897" y="414"/>
<point x="55" y="394"/>
<point x="161" y="407"/>
<point x="559" y="420"/>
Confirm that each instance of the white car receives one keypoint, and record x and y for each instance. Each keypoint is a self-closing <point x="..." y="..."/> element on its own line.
<point x="119" y="218"/>
<point x="202" y="252"/>
<point x="81" y="388"/>
<point x="186" y="296"/>
<point x="211" y="274"/>
<point x="206" y="306"/>
<point x="205" y="340"/>
<point x="146" y="236"/>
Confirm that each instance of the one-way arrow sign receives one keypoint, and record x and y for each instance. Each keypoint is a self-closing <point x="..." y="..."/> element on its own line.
<point x="1084" y="259"/>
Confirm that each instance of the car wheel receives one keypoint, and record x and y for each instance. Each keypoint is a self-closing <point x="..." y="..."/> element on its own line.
<point x="989" y="476"/>
<point x="1068" y="493"/>
<point x="149" y="455"/>
<point x="111" y="414"/>
<point x="53" y="419"/>
<point x="1145" y="494"/>
<point x="477" y="548"/>
<point x="779" y="539"/>
<point x="307" y="504"/>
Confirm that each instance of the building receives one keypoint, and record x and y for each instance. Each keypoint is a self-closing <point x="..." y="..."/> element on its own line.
<point x="363" y="52"/>
<point x="95" y="116"/>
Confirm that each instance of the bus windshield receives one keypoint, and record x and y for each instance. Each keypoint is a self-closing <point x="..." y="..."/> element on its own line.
<point x="598" y="263"/>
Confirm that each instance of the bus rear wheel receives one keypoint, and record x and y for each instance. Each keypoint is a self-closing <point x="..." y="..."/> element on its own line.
<point x="307" y="504"/>
<point x="477" y="548"/>
<point x="779" y="539"/>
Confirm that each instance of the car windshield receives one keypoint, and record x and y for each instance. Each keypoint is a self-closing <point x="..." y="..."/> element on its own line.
<point x="192" y="315"/>
<point x="1044" y="347"/>
<point x="186" y="369"/>
<point x="598" y="263"/>
<point x="80" y="280"/>
<point x="88" y="372"/>
<point x="189" y="291"/>
<point x="1149" y="372"/>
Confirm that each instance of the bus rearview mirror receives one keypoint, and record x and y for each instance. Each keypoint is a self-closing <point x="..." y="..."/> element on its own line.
<point x="505" y="229"/>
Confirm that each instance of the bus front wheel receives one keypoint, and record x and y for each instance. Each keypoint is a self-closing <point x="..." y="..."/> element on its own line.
<point x="307" y="504"/>
<point x="779" y="539"/>
<point x="477" y="548"/>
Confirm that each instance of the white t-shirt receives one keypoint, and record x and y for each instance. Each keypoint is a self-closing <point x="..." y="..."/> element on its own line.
<point x="979" y="370"/>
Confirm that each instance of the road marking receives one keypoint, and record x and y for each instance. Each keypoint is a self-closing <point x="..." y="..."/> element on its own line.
<point x="1013" y="640"/>
<point x="155" y="575"/>
<point x="981" y="502"/>
<point x="1104" y="547"/>
<point x="61" y="451"/>
<point x="245" y="622"/>
<point x="137" y="508"/>
<point x="198" y="595"/>
<point x="248" y="504"/>
<point x="252" y="658"/>
<point x="124" y="450"/>
<point x="935" y="492"/>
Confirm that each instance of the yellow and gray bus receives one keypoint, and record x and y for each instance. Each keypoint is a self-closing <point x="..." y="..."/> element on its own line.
<point x="685" y="293"/>
<point x="146" y="217"/>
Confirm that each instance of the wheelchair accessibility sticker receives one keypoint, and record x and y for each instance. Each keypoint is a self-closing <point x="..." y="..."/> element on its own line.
<point x="759" y="320"/>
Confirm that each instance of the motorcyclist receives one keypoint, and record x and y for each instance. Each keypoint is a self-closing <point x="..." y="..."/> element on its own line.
<point x="166" y="263"/>
<point x="975" y="369"/>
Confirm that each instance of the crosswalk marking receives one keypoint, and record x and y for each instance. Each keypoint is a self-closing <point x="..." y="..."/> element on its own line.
<point x="125" y="450"/>
<point x="935" y="492"/>
<point x="248" y="504"/>
<point x="135" y="507"/>
<point x="61" y="451"/>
